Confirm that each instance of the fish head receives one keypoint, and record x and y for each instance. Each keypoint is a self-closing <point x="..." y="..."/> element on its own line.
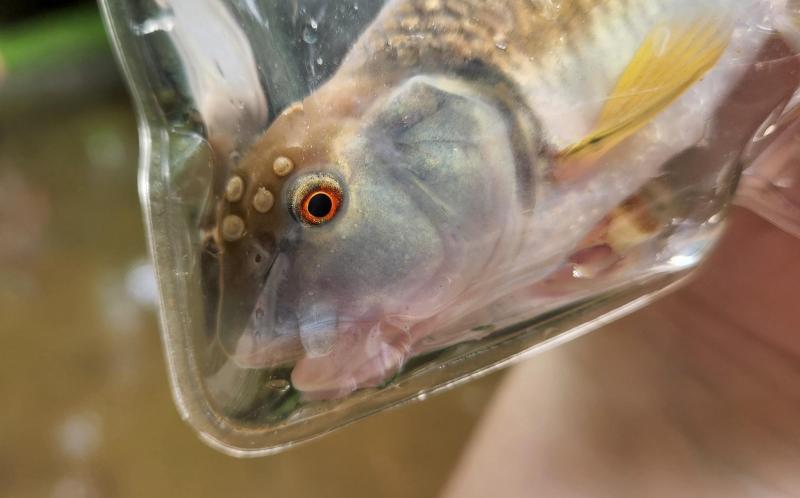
<point x="382" y="210"/>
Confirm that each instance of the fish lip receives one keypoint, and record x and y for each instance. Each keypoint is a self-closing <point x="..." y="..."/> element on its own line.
<point x="261" y="357"/>
<point x="318" y="335"/>
<point x="380" y="349"/>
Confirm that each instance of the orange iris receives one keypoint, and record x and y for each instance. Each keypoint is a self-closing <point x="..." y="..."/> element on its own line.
<point x="320" y="205"/>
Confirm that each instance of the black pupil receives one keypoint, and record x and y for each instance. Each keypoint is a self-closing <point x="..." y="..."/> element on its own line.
<point x="320" y="205"/>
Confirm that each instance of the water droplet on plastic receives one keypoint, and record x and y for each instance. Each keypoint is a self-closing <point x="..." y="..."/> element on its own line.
<point x="163" y="22"/>
<point x="310" y="34"/>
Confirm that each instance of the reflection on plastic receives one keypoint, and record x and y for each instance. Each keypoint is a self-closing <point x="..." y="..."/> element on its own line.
<point x="441" y="185"/>
<point x="770" y="186"/>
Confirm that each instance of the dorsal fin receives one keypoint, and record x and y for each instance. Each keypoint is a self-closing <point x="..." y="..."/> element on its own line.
<point x="671" y="59"/>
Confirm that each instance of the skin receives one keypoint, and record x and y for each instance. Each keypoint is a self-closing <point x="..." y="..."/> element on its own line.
<point x="694" y="396"/>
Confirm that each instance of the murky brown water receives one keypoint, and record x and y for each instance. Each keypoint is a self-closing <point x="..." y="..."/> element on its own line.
<point x="85" y="409"/>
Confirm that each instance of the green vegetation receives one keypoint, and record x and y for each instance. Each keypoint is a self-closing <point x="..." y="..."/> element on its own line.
<point x="53" y="38"/>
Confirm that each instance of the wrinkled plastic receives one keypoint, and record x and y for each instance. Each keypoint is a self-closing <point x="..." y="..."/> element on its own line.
<point x="770" y="186"/>
<point x="353" y="204"/>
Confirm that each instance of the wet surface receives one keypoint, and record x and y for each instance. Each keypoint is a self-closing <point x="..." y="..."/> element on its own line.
<point x="86" y="410"/>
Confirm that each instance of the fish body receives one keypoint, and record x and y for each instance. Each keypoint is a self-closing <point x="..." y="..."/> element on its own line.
<point x="459" y="155"/>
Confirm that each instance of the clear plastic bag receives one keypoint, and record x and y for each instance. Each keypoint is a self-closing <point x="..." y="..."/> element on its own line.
<point x="352" y="204"/>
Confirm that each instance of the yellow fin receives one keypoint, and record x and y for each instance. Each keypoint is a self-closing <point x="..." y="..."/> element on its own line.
<point x="672" y="58"/>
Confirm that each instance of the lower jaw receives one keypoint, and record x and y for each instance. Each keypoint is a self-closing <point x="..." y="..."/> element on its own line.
<point x="359" y="359"/>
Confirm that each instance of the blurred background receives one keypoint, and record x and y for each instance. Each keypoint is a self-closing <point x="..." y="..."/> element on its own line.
<point x="85" y="409"/>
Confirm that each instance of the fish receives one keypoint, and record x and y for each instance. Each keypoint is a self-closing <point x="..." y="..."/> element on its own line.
<point x="460" y="155"/>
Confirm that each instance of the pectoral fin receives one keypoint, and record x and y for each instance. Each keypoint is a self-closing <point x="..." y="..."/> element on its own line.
<point x="672" y="58"/>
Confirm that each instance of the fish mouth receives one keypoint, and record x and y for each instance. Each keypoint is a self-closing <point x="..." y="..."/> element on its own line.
<point x="360" y="354"/>
<point x="249" y="326"/>
<point x="332" y="352"/>
<point x="262" y="325"/>
<point x="332" y="346"/>
<point x="331" y="356"/>
<point x="277" y="336"/>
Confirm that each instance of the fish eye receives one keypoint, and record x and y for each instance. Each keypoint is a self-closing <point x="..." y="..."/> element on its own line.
<point x="319" y="206"/>
<point x="317" y="199"/>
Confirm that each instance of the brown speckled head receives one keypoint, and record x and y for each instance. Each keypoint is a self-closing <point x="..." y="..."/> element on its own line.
<point x="258" y="204"/>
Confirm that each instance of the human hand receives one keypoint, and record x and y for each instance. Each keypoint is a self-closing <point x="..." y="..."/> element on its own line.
<point x="697" y="395"/>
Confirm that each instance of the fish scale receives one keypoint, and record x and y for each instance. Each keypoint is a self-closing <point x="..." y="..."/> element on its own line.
<point x="451" y="33"/>
<point x="443" y="33"/>
<point x="543" y="45"/>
